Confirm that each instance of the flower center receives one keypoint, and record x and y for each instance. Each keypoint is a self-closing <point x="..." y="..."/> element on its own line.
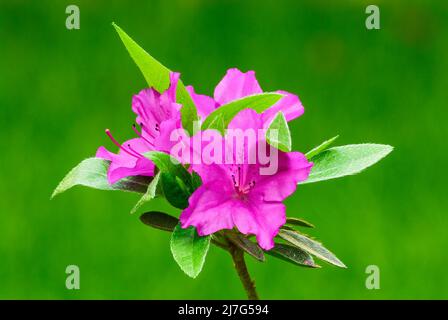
<point x="240" y="186"/>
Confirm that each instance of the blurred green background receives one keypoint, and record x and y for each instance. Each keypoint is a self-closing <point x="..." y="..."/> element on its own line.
<point x="59" y="89"/>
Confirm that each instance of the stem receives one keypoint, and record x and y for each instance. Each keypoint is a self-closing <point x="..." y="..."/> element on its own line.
<point x="241" y="269"/>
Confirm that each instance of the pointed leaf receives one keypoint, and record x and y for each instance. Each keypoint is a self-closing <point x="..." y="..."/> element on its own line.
<point x="345" y="160"/>
<point x="293" y="255"/>
<point x="285" y="227"/>
<point x="92" y="172"/>
<point x="299" y="222"/>
<point x="174" y="190"/>
<point x="258" y="102"/>
<point x="159" y="220"/>
<point x="165" y="163"/>
<point x="322" y="147"/>
<point x="278" y="134"/>
<point x="150" y="193"/>
<point x="248" y="246"/>
<point x="158" y="77"/>
<point x="310" y="246"/>
<point x="189" y="250"/>
<point x="217" y="123"/>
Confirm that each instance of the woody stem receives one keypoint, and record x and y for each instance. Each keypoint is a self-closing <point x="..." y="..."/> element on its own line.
<point x="241" y="268"/>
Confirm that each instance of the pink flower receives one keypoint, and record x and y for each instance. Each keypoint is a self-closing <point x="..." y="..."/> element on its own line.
<point x="239" y="195"/>
<point x="157" y="115"/>
<point x="129" y="161"/>
<point x="236" y="85"/>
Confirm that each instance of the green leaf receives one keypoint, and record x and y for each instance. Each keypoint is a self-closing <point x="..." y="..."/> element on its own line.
<point x="92" y="172"/>
<point x="158" y="77"/>
<point x="278" y="134"/>
<point x="218" y="124"/>
<point x="345" y="160"/>
<point x="177" y="183"/>
<point x="285" y="227"/>
<point x="175" y="191"/>
<point x="299" y="222"/>
<point x="258" y="102"/>
<point x="159" y="220"/>
<point x="196" y="180"/>
<point x="165" y="163"/>
<point x="248" y="246"/>
<point x="323" y="146"/>
<point x="310" y="246"/>
<point x="150" y="193"/>
<point x="189" y="250"/>
<point x="293" y="255"/>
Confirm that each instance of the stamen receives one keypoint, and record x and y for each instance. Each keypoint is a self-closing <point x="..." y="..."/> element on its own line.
<point x="134" y="127"/>
<point x="146" y="130"/>
<point x="139" y="134"/>
<point x="142" y="112"/>
<point x="252" y="184"/>
<point x="239" y="175"/>
<point x="234" y="181"/>
<point x="113" y="139"/>
<point x="136" y="153"/>
<point x="119" y="145"/>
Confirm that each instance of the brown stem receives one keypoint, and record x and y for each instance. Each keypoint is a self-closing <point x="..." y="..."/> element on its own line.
<point x="241" y="269"/>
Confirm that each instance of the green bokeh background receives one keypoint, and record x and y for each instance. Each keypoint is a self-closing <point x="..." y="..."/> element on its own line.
<point x="59" y="89"/>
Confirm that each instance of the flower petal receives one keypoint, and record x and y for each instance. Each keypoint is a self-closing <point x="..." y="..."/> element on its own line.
<point x="153" y="108"/>
<point x="124" y="164"/>
<point x="142" y="167"/>
<point x="263" y="219"/>
<point x="292" y="167"/>
<point x="246" y="119"/>
<point x="290" y="105"/>
<point x="236" y="85"/>
<point x="210" y="209"/>
<point x="174" y="80"/>
<point x="204" y="104"/>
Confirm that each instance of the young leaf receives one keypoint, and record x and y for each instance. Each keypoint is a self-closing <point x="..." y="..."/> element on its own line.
<point x="293" y="255"/>
<point x="310" y="246"/>
<point x="299" y="222"/>
<point x="158" y="77"/>
<point x="257" y="102"/>
<point x="165" y="163"/>
<point x="149" y="194"/>
<point x="159" y="220"/>
<point x="248" y="246"/>
<point x="174" y="190"/>
<point x="92" y="172"/>
<point x="323" y="146"/>
<point x="189" y="250"/>
<point x="278" y="134"/>
<point x="345" y="160"/>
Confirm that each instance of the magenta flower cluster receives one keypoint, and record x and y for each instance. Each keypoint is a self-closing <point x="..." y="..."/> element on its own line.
<point x="232" y="195"/>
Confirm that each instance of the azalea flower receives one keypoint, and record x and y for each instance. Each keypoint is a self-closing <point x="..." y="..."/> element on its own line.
<point x="158" y="115"/>
<point x="238" y="195"/>
<point x="236" y="85"/>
